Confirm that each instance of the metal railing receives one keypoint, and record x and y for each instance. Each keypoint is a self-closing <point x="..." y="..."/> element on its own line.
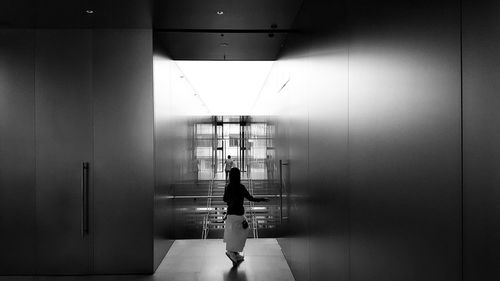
<point x="206" y="218"/>
<point x="254" y="222"/>
<point x="253" y="213"/>
<point x="215" y="196"/>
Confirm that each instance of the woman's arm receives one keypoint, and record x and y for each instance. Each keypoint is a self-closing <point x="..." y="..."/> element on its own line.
<point x="248" y="196"/>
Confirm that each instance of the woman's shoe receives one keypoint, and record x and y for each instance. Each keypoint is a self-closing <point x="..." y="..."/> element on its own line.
<point x="232" y="257"/>
<point x="239" y="257"/>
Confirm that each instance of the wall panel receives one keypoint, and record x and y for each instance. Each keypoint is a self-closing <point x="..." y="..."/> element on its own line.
<point x="312" y="139"/>
<point x="164" y="213"/>
<point x="17" y="153"/>
<point x="328" y="151"/>
<point x="313" y="111"/>
<point x="176" y="108"/>
<point x="123" y="151"/>
<point x="383" y="129"/>
<point x="63" y="142"/>
<point x="75" y="84"/>
<point x="481" y="81"/>
<point x="404" y="140"/>
<point x="298" y="161"/>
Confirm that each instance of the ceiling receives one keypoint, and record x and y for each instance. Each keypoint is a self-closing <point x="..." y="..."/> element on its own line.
<point x="219" y="46"/>
<point x="72" y="14"/>
<point x="237" y="15"/>
<point x="223" y="29"/>
<point x="184" y="29"/>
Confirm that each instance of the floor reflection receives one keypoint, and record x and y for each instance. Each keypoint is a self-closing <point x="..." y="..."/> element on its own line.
<point x="206" y="260"/>
<point x="235" y="275"/>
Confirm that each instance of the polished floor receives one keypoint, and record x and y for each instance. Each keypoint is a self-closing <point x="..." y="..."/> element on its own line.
<point x="203" y="260"/>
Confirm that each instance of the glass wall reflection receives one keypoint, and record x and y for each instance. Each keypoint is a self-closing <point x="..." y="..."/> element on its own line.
<point x="199" y="208"/>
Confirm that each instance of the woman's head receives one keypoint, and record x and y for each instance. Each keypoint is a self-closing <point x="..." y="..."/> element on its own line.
<point x="234" y="176"/>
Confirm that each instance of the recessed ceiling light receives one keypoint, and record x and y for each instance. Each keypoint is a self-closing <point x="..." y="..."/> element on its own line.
<point x="89" y="12"/>
<point x="224" y="44"/>
<point x="220" y="12"/>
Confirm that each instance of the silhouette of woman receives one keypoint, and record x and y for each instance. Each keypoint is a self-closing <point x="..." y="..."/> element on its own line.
<point x="235" y="232"/>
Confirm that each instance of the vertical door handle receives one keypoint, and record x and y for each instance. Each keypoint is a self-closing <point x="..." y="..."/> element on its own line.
<point x="281" y="191"/>
<point x="85" y="198"/>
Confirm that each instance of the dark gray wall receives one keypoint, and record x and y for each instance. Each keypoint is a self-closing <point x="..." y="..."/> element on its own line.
<point x="17" y="152"/>
<point x="404" y="140"/>
<point x="164" y="165"/>
<point x="375" y="158"/>
<point x="175" y="107"/>
<point x="327" y="157"/>
<point x="64" y="132"/>
<point x="313" y="140"/>
<point x="481" y="84"/>
<point x="69" y="96"/>
<point x="123" y="150"/>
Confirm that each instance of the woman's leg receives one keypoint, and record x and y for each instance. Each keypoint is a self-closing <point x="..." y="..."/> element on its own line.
<point x="235" y="237"/>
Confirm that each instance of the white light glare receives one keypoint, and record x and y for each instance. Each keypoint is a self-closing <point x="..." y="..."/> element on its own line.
<point x="227" y="87"/>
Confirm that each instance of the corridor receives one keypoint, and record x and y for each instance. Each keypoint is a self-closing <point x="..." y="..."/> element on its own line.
<point x="366" y="134"/>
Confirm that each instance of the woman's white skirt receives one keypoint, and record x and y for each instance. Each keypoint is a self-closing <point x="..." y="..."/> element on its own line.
<point x="234" y="234"/>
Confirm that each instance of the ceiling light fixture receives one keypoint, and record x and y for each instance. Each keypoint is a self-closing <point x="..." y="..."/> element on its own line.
<point x="220" y="12"/>
<point x="224" y="44"/>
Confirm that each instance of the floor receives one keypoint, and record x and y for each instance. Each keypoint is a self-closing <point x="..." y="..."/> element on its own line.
<point x="193" y="260"/>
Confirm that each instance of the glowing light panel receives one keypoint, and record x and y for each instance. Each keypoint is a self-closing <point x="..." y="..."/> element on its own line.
<point x="227" y="87"/>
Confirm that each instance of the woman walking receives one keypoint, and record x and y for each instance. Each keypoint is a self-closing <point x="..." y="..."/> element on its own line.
<point x="228" y="164"/>
<point x="236" y="226"/>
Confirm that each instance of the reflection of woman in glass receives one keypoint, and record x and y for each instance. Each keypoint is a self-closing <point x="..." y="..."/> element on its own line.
<point x="228" y="164"/>
<point x="269" y="167"/>
<point x="235" y="232"/>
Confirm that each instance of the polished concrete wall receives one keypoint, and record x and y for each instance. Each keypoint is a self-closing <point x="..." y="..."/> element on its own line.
<point x="17" y="152"/>
<point x="481" y="81"/>
<point x="175" y="109"/>
<point x="123" y="150"/>
<point x="69" y="96"/>
<point x="312" y="142"/>
<point x="370" y="125"/>
<point x="405" y="141"/>
<point x="163" y="218"/>
<point x="63" y="123"/>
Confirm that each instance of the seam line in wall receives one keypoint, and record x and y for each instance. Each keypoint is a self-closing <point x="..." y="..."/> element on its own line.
<point x="92" y="149"/>
<point x="348" y="162"/>
<point x="461" y="262"/>
<point x="153" y="229"/>
<point x="35" y="151"/>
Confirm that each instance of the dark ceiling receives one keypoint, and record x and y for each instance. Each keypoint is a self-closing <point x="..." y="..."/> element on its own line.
<point x="183" y="29"/>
